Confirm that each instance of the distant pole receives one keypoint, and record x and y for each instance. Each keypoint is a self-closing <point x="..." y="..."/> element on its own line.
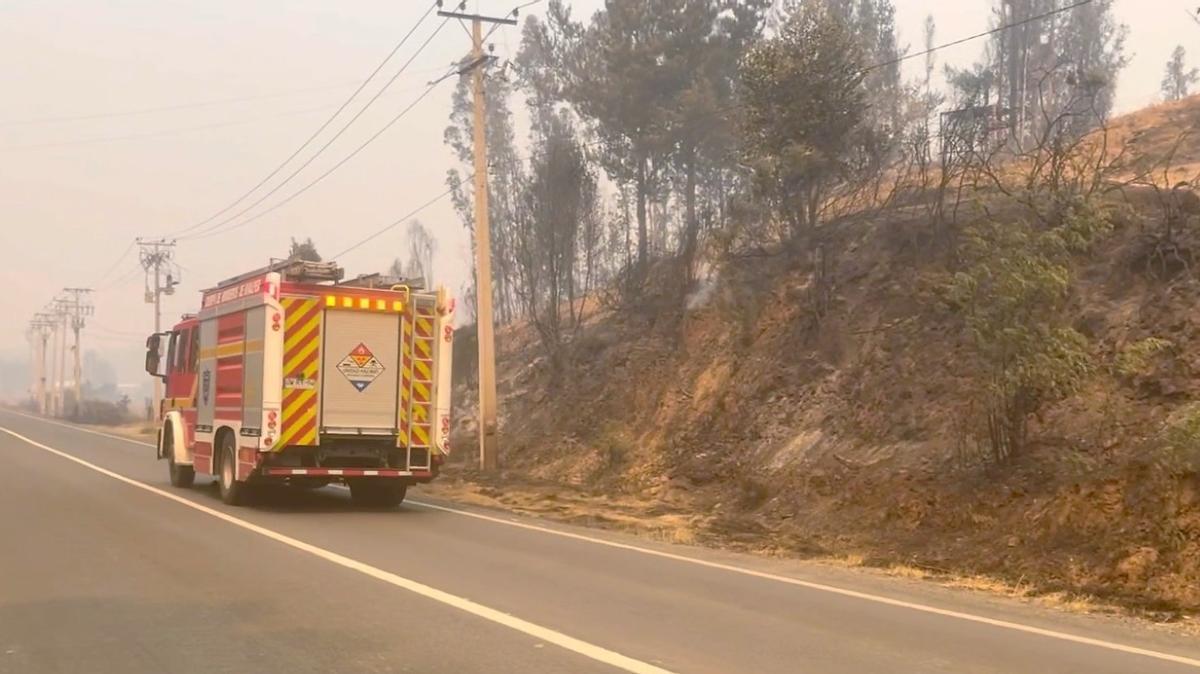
<point x="60" y="358"/>
<point x="488" y="424"/>
<point x="155" y="256"/>
<point x="41" y="388"/>
<point x="78" y="309"/>
<point x="31" y="335"/>
<point x="52" y="370"/>
<point x="43" y="324"/>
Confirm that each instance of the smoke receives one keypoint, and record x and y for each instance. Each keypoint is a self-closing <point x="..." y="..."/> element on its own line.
<point x="706" y="284"/>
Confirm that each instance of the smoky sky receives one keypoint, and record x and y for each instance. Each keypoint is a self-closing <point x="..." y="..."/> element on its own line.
<point x="80" y="178"/>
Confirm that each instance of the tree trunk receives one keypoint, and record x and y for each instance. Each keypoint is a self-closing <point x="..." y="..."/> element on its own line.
<point x="691" y="227"/>
<point x="643" y="229"/>
<point x="813" y="207"/>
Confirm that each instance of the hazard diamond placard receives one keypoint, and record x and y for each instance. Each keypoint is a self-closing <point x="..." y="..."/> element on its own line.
<point x="360" y="367"/>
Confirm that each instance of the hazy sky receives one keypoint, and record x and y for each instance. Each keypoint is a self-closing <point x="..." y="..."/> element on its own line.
<point x="74" y="193"/>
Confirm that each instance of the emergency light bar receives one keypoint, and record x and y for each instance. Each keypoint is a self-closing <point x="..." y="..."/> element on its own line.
<point x="395" y="300"/>
<point x="363" y="303"/>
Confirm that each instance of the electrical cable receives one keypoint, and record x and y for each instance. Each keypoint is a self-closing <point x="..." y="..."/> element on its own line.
<point x="319" y="130"/>
<point x="213" y="231"/>
<point x="169" y="108"/>
<point x="160" y="134"/>
<point x="396" y="223"/>
<point x="120" y="259"/>
<point x="998" y="29"/>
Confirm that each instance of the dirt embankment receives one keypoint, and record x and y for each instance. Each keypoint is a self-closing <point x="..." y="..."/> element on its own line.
<point x="743" y="418"/>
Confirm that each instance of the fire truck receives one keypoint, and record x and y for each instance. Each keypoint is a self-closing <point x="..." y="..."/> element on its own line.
<point x="289" y="374"/>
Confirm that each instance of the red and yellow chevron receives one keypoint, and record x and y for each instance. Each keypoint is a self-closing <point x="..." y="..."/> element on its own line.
<point x="301" y="365"/>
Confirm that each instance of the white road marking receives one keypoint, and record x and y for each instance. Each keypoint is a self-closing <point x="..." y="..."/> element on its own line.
<point x="1005" y="624"/>
<point x="536" y="631"/>
<point x="81" y="429"/>
<point x="879" y="599"/>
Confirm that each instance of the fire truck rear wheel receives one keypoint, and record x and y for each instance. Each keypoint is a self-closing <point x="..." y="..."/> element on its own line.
<point x="181" y="476"/>
<point x="377" y="494"/>
<point x="232" y="491"/>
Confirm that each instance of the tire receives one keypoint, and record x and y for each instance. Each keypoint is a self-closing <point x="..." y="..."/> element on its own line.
<point x="232" y="492"/>
<point x="377" y="494"/>
<point x="181" y="476"/>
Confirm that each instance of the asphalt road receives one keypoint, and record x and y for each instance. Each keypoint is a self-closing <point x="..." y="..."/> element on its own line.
<point x="106" y="568"/>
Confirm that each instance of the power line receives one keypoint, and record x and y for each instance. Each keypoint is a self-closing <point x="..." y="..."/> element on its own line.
<point x="117" y="333"/>
<point x="120" y="258"/>
<point x="163" y="133"/>
<point x="213" y="231"/>
<point x="318" y="132"/>
<point x="121" y="280"/>
<point x="998" y="29"/>
<point x="171" y="108"/>
<point x="513" y="13"/>
<point x="396" y="223"/>
<point x="478" y="63"/>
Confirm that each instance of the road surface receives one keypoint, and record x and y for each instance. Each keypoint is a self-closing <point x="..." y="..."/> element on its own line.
<point x="106" y="568"/>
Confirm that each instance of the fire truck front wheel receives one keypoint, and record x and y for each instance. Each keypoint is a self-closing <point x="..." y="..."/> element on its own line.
<point x="181" y="476"/>
<point x="232" y="491"/>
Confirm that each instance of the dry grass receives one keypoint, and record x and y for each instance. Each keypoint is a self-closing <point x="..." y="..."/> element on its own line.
<point x="137" y="430"/>
<point x="632" y="517"/>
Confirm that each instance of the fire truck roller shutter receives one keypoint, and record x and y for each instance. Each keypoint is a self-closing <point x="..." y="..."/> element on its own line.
<point x="359" y="371"/>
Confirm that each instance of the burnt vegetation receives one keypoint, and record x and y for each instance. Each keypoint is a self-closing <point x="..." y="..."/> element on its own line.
<point x="782" y="278"/>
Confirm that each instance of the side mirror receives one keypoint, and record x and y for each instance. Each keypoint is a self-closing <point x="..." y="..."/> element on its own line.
<point x="154" y="355"/>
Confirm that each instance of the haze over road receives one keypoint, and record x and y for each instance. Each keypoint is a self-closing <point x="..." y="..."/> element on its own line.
<point x="102" y="570"/>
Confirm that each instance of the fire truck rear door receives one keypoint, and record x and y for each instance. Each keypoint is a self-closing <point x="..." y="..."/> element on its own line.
<point x="359" y="369"/>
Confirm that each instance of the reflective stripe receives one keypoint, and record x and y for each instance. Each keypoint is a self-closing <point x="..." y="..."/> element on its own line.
<point x="342" y="472"/>
<point x="302" y="340"/>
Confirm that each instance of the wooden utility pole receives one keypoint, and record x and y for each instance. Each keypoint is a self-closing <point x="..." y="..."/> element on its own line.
<point x="155" y="256"/>
<point x="488" y="425"/>
<point x="60" y="358"/>
<point x="43" y="325"/>
<point x="78" y="309"/>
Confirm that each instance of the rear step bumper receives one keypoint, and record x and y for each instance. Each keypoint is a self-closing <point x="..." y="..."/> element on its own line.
<point x="275" y="471"/>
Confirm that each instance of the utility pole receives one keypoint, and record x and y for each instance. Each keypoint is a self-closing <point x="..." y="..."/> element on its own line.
<point x="43" y="326"/>
<point x="31" y="334"/>
<point x="60" y="358"/>
<point x="78" y="308"/>
<point x="156" y="256"/>
<point x="488" y="426"/>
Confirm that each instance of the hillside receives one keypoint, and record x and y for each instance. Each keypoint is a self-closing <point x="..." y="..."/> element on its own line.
<point x="762" y="412"/>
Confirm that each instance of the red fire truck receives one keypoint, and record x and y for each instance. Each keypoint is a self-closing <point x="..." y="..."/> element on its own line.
<point x="289" y="374"/>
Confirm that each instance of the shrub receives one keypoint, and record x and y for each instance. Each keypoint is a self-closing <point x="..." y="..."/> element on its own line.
<point x="1011" y="294"/>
